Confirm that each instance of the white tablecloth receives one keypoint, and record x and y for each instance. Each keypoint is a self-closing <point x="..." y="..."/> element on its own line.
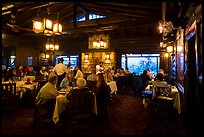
<point x="113" y="87"/>
<point x="21" y="87"/>
<point x="174" y="94"/>
<point x="62" y="104"/>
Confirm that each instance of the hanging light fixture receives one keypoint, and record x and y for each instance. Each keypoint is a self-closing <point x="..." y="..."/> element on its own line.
<point x="47" y="26"/>
<point x="100" y="41"/>
<point x="57" y="28"/>
<point x="38" y="24"/>
<point x="52" y="45"/>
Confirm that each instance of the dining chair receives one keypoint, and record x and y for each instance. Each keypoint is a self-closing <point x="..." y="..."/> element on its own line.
<point x="81" y="109"/>
<point x="10" y="99"/>
<point x="160" y="105"/>
<point x="91" y="85"/>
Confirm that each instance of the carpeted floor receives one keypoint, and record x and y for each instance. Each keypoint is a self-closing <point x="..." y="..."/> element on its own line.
<point x="126" y="116"/>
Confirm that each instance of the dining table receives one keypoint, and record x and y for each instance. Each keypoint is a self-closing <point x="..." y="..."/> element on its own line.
<point x="62" y="103"/>
<point x="174" y="93"/>
<point x="22" y="86"/>
<point x="113" y="87"/>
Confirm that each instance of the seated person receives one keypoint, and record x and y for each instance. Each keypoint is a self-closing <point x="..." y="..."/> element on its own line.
<point x="160" y="75"/>
<point x="31" y="72"/>
<point x="102" y="96"/>
<point x="20" y="71"/>
<point x="108" y="76"/>
<point x="68" y="81"/>
<point x="81" y="83"/>
<point x="127" y="71"/>
<point x="43" y="71"/>
<point x="92" y="76"/>
<point x="45" y="101"/>
<point x="145" y="79"/>
<point x="119" y="72"/>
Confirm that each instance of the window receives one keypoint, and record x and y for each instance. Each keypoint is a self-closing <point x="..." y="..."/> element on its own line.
<point x="137" y="63"/>
<point x="12" y="61"/>
<point x="73" y="59"/>
<point x="91" y="17"/>
<point x="30" y="61"/>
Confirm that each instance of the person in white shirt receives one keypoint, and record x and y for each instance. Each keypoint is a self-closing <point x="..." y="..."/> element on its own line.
<point x="99" y="68"/>
<point x="92" y="76"/>
<point x="61" y="70"/>
<point x="79" y="74"/>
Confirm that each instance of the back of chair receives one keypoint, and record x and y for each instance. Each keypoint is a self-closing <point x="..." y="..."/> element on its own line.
<point x="81" y="101"/>
<point x="91" y="85"/>
<point x="161" y="88"/>
<point x="8" y="89"/>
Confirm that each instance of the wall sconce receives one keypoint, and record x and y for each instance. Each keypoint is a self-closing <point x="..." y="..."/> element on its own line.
<point x="107" y="56"/>
<point x="169" y="49"/>
<point x="86" y="57"/>
<point x="179" y="48"/>
<point x="47" y="56"/>
<point x="166" y="55"/>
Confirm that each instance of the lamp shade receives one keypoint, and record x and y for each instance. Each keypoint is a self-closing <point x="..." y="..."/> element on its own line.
<point x="57" y="29"/>
<point x="56" y="47"/>
<point x="170" y="49"/>
<point x="48" y="26"/>
<point x="37" y="25"/>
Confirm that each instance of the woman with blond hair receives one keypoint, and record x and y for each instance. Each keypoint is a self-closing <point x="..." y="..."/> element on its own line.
<point x="102" y="95"/>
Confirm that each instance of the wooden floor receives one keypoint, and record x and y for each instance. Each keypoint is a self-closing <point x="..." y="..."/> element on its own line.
<point x="126" y="116"/>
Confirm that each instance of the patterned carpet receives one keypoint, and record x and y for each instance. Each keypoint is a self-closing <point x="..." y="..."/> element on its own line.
<point x="126" y="116"/>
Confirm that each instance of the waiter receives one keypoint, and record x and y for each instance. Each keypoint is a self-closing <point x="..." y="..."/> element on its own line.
<point x="99" y="68"/>
<point x="60" y="69"/>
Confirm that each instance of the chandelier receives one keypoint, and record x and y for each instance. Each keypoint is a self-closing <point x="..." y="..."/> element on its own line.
<point x="98" y="41"/>
<point x="46" y="25"/>
<point x="52" y="44"/>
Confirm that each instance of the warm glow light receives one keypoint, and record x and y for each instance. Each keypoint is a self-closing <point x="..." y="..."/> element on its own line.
<point x="47" y="46"/>
<point x="161" y="44"/>
<point x="56" y="47"/>
<point x="47" y="56"/>
<point x="51" y="46"/>
<point x="104" y="44"/>
<point x="86" y="56"/>
<point x="170" y="49"/>
<point x="57" y="29"/>
<point x="94" y="44"/>
<point x="179" y="48"/>
<point x="48" y="24"/>
<point x="37" y="26"/>
<point x="107" y="56"/>
<point x="166" y="55"/>
<point x="160" y="28"/>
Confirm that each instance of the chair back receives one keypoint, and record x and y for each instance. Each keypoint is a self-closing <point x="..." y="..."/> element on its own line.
<point x="39" y="77"/>
<point x="91" y="85"/>
<point x="8" y="89"/>
<point x="81" y="101"/>
<point x="161" y="88"/>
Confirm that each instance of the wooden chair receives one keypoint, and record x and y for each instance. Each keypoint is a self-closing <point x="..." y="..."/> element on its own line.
<point x="10" y="99"/>
<point x="91" y="85"/>
<point x="81" y="110"/>
<point x="160" y="105"/>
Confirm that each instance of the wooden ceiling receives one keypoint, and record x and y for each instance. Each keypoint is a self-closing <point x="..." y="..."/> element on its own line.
<point x="124" y="19"/>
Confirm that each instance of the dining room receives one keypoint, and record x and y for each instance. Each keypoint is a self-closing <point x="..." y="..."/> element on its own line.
<point x="127" y="38"/>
